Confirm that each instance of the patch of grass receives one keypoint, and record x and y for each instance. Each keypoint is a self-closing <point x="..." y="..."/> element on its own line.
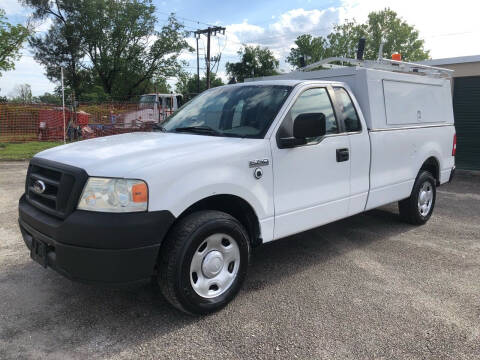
<point x="18" y="138"/>
<point x="22" y="151"/>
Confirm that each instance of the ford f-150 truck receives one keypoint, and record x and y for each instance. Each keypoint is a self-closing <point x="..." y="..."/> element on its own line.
<point x="238" y="166"/>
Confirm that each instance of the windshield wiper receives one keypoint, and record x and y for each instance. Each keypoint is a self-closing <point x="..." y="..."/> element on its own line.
<point x="199" y="130"/>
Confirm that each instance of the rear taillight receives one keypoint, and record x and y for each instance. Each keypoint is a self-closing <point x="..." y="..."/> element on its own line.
<point x="454" y="147"/>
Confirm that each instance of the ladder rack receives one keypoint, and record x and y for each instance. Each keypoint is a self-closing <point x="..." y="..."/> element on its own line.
<point x="383" y="64"/>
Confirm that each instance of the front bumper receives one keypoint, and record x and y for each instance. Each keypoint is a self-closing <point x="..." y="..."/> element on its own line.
<point x="96" y="247"/>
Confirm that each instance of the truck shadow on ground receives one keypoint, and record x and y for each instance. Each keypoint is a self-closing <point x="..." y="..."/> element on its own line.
<point x="43" y="304"/>
<point x="295" y="253"/>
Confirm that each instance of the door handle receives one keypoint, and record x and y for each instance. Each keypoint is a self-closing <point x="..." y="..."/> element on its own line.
<point x="342" y="155"/>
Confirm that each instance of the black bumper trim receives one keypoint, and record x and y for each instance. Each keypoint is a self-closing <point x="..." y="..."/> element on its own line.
<point x="100" y="230"/>
<point x="452" y="174"/>
<point x="97" y="247"/>
<point x="95" y="265"/>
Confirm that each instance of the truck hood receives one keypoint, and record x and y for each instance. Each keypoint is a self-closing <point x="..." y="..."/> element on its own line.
<point x="121" y="155"/>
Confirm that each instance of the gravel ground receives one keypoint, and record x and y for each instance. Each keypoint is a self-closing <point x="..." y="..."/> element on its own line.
<point x="361" y="288"/>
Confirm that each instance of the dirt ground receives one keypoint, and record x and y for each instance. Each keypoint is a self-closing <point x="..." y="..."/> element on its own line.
<point x="366" y="287"/>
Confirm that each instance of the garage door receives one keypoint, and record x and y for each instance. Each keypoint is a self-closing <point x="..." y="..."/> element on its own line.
<point x="466" y="107"/>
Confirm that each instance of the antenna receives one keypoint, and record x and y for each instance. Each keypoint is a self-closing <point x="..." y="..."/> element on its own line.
<point x="380" y="49"/>
<point x="361" y="48"/>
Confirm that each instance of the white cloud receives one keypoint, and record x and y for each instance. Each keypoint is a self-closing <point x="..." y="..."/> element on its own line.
<point x="12" y="7"/>
<point x="27" y="71"/>
<point x="279" y="36"/>
<point x="43" y="25"/>
<point x="449" y="30"/>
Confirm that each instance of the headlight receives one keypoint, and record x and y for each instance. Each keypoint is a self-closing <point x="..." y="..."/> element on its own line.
<point x="114" y="195"/>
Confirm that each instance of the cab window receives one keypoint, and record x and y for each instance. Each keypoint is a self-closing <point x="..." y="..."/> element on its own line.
<point x="168" y="102"/>
<point x="314" y="100"/>
<point x="350" y="116"/>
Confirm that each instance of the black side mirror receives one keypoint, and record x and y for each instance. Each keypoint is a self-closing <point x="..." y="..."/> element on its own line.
<point x="305" y="126"/>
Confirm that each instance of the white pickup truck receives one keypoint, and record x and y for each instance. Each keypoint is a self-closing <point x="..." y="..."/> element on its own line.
<point x="238" y="166"/>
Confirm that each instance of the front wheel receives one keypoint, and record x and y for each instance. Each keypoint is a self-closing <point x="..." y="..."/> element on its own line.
<point x="203" y="262"/>
<point x="418" y="208"/>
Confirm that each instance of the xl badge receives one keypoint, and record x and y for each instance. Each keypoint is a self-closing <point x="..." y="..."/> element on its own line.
<point x="257" y="163"/>
<point x="39" y="186"/>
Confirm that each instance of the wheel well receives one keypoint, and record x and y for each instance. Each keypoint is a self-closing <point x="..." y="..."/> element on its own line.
<point x="234" y="206"/>
<point x="431" y="165"/>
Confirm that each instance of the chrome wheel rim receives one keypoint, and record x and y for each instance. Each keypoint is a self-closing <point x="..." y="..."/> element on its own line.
<point x="425" y="198"/>
<point x="214" y="265"/>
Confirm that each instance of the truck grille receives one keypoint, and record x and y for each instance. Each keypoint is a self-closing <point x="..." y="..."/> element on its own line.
<point x="53" y="187"/>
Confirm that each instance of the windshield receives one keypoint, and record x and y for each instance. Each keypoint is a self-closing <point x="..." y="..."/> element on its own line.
<point x="242" y="111"/>
<point x="147" y="101"/>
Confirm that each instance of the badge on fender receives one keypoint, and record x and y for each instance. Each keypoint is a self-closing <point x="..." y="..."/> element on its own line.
<point x="259" y="162"/>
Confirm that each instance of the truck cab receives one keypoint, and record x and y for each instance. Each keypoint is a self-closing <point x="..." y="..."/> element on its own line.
<point x="152" y="108"/>
<point x="238" y="166"/>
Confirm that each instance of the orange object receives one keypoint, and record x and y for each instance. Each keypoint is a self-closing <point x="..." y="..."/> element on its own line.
<point x="139" y="193"/>
<point x="82" y="118"/>
<point x="397" y="57"/>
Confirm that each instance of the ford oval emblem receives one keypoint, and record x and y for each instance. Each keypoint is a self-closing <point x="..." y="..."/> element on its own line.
<point x="39" y="186"/>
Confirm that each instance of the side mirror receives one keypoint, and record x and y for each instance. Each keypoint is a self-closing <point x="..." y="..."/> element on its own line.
<point x="305" y="126"/>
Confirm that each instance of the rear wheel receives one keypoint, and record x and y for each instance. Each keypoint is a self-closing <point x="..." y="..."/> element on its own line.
<point x="203" y="262"/>
<point x="418" y="208"/>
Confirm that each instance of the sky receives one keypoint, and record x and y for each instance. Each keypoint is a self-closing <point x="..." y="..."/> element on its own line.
<point x="449" y="29"/>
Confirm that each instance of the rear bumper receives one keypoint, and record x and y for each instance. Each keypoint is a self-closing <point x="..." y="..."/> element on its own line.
<point x="97" y="247"/>
<point x="452" y="174"/>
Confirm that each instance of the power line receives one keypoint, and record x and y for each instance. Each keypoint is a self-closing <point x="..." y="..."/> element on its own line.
<point x="210" y="31"/>
<point x="186" y="19"/>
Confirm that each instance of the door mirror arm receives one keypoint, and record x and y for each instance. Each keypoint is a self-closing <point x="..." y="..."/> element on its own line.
<point x="291" y="142"/>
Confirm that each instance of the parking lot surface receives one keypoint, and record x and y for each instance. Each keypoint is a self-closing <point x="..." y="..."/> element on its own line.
<point x="365" y="287"/>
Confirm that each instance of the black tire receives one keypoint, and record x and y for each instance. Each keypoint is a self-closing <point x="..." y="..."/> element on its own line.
<point x="409" y="208"/>
<point x="174" y="277"/>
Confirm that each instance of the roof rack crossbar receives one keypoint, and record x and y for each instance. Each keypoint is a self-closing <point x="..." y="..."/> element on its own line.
<point x="385" y="64"/>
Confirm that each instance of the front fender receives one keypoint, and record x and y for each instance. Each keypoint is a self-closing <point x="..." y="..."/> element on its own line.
<point x="179" y="195"/>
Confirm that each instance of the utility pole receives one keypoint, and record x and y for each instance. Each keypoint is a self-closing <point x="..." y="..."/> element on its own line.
<point x="63" y="107"/>
<point x="210" y="31"/>
<point x="198" y="67"/>
<point x="208" y="58"/>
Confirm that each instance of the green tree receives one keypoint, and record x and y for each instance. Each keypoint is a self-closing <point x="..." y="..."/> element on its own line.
<point x="160" y="85"/>
<point x="187" y="83"/>
<point x="124" y="48"/>
<point x="48" y="98"/>
<point x="255" y="62"/>
<point x="309" y="50"/>
<point x="22" y="94"/>
<point x="343" y="40"/>
<point x="398" y="35"/>
<point x="11" y="40"/>
<point x="109" y="43"/>
<point x="61" y="46"/>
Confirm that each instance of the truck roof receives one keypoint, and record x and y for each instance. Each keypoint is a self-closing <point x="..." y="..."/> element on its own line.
<point x="284" y="82"/>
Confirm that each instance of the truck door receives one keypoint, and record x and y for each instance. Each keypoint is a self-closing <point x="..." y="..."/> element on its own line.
<point x="312" y="181"/>
<point x="359" y="149"/>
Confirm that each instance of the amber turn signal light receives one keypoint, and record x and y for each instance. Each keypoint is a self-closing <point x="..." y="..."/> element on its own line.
<point x="139" y="193"/>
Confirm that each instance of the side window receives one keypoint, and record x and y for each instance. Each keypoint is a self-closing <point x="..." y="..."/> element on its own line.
<point x="310" y="101"/>
<point x="352" y="122"/>
<point x="168" y="102"/>
<point x="237" y="114"/>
